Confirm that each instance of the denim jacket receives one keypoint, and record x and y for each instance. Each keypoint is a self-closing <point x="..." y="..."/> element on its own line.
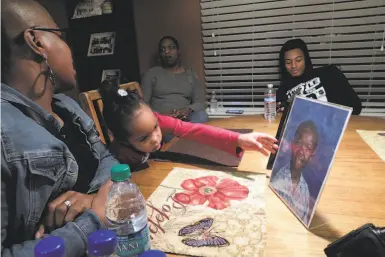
<point x="36" y="167"/>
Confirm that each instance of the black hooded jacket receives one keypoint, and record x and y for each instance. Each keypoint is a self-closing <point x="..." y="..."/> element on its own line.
<point x="326" y="83"/>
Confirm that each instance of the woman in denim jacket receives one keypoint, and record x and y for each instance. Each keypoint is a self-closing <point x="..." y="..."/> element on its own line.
<point x="54" y="169"/>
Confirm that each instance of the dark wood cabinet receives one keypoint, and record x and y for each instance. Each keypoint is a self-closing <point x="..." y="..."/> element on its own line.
<point x="125" y="57"/>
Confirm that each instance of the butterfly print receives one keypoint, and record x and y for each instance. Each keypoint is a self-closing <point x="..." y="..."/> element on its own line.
<point x="200" y="225"/>
<point x="210" y="241"/>
<point x="199" y="235"/>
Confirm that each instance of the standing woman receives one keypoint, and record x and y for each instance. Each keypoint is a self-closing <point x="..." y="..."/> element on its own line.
<point x="298" y="77"/>
<point x="173" y="90"/>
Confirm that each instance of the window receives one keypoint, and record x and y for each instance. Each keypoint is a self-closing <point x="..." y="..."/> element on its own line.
<point x="242" y="40"/>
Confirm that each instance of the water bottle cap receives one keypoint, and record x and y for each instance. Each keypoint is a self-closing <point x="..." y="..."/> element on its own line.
<point x="153" y="253"/>
<point x="120" y="172"/>
<point x="102" y="243"/>
<point x="52" y="246"/>
<point x="269" y="85"/>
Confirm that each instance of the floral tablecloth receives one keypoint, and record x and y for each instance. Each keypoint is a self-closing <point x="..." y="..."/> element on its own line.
<point x="376" y="140"/>
<point x="208" y="213"/>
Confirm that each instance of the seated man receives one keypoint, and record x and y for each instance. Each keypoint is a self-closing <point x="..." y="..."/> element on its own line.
<point x="54" y="169"/>
<point x="173" y="90"/>
<point x="298" y="77"/>
<point x="289" y="182"/>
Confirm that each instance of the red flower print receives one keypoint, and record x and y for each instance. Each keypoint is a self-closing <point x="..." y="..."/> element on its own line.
<point x="208" y="188"/>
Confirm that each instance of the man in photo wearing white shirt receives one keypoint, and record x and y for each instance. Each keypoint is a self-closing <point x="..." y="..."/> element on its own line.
<point x="289" y="182"/>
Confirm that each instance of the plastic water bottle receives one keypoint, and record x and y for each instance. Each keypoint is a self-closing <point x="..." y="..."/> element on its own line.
<point x="126" y="213"/>
<point x="213" y="103"/>
<point x="270" y="103"/>
<point x="102" y="243"/>
<point x="52" y="246"/>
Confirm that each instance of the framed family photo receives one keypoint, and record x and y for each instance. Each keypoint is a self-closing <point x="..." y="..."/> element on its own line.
<point x="101" y="44"/>
<point x="310" y="140"/>
<point x="87" y="9"/>
<point x="111" y="74"/>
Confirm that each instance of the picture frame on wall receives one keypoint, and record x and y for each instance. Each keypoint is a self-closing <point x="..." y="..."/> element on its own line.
<point x="87" y="9"/>
<point x="111" y="74"/>
<point x="306" y="152"/>
<point x="101" y="44"/>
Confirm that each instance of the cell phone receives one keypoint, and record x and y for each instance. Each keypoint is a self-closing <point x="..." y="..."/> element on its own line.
<point x="366" y="240"/>
<point x="234" y="111"/>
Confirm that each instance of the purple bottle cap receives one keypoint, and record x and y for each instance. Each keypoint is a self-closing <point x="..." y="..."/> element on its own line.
<point x="153" y="253"/>
<point x="52" y="246"/>
<point x="102" y="242"/>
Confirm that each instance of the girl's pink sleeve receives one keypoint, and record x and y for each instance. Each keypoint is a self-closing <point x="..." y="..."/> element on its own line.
<point x="219" y="138"/>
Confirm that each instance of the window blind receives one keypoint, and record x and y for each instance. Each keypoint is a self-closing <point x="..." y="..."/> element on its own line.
<point x="242" y="40"/>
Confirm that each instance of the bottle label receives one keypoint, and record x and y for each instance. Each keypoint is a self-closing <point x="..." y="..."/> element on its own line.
<point x="134" y="244"/>
<point x="269" y="99"/>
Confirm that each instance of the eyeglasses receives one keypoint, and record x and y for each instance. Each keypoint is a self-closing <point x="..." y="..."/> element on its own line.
<point x="62" y="35"/>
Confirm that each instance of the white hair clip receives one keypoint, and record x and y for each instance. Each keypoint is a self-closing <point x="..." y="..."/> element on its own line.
<point x="122" y="92"/>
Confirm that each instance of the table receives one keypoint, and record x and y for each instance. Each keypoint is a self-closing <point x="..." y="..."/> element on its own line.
<point x="353" y="195"/>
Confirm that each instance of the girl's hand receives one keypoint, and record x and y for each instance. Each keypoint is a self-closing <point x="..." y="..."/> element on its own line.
<point x="260" y="142"/>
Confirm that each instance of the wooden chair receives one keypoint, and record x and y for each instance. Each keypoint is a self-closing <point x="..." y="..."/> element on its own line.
<point x="92" y="103"/>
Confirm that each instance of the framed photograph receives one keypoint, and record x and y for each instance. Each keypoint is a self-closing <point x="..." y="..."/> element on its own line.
<point x="101" y="44"/>
<point x="87" y="9"/>
<point x="111" y="74"/>
<point x="278" y="136"/>
<point x="310" y="140"/>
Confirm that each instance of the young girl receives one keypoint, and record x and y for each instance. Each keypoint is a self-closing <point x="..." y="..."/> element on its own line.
<point x="138" y="130"/>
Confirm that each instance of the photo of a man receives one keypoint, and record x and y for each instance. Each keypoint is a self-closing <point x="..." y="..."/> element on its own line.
<point x="310" y="139"/>
<point x="289" y="181"/>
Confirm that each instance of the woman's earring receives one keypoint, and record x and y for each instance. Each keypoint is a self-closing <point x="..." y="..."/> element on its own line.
<point x="49" y="71"/>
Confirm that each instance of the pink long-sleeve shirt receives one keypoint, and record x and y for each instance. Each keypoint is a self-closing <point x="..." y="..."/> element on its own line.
<point x="222" y="139"/>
